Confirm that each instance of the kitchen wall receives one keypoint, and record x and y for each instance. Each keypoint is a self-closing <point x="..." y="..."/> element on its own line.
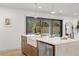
<point x="10" y="35"/>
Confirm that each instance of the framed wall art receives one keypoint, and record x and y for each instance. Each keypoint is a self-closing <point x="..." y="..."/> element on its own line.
<point x="7" y="22"/>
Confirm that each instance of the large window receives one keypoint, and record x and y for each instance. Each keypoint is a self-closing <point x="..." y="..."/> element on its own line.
<point x="56" y="28"/>
<point x="43" y="26"/>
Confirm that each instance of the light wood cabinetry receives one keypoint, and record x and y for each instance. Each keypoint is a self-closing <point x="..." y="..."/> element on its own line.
<point x="27" y="49"/>
<point x="24" y="45"/>
<point x="34" y="51"/>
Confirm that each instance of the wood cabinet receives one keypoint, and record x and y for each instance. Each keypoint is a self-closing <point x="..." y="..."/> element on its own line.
<point x="27" y="49"/>
<point x="24" y="45"/>
<point x="31" y="51"/>
<point x="34" y="51"/>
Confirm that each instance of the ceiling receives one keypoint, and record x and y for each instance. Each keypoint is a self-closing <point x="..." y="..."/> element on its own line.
<point x="66" y="9"/>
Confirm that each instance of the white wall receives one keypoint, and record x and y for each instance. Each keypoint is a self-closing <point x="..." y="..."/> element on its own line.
<point x="10" y="36"/>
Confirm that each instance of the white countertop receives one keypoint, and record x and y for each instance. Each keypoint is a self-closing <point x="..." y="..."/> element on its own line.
<point x="54" y="41"/>
<point x="31" y="39"/>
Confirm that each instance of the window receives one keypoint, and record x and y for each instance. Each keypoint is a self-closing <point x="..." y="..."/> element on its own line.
<point x="43" y="26"/>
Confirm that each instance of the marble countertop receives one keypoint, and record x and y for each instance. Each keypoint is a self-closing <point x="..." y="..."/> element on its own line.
<point x="54" y="41"/>
<point x="57" y="41"/>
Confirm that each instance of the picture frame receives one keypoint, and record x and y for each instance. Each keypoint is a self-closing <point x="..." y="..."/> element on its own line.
<point x="7" y="22"/>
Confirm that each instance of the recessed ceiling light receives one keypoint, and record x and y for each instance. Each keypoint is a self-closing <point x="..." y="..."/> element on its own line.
<point x="39" y="6"/>
<point x="52" y="12"/>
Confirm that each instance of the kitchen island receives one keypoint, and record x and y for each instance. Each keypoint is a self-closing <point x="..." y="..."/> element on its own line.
<point x="45" y="46"/>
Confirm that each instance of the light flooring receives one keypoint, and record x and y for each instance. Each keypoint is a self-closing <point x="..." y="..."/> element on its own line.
<point x="16" y="52"/>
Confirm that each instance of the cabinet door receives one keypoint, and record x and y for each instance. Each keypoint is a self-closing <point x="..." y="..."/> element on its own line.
<point x="49" y="50"/>
<point x="34" y="51"/>
<point x="45" y="49"/>
<point x="29" y="50"/>
<point x="24" y="45"/>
